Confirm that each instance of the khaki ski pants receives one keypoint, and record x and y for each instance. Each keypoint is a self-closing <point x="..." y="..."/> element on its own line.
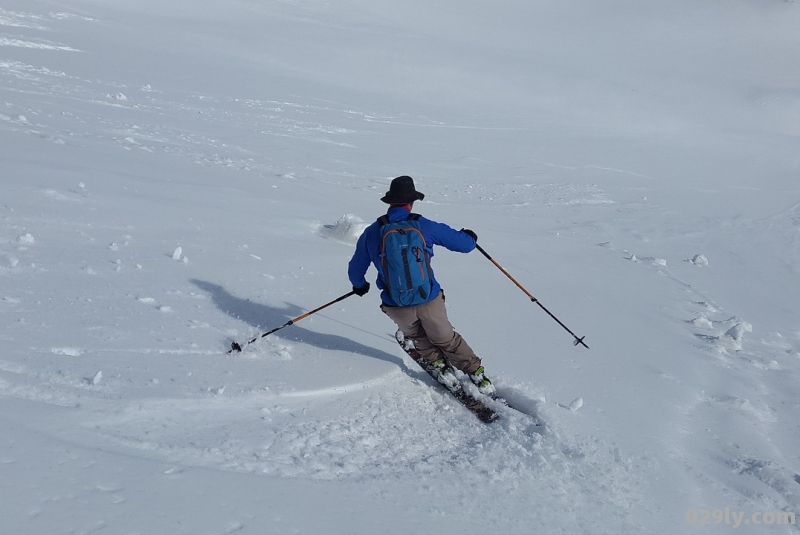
<point x="427" y="325"/>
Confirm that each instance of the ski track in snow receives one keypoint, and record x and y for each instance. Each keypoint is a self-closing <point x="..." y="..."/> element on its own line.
<point x="728" y="340"/>
<point x="300" y="434"/>
<point x="409" y="431"/>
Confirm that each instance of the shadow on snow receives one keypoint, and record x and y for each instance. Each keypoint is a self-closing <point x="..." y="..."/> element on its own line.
<point x="258" y="315"/>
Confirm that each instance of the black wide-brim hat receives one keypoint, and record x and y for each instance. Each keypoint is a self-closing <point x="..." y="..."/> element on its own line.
<point x="402" y="191"/>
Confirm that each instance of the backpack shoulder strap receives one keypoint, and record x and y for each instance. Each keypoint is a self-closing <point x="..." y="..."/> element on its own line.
<point x="384" y="219"/>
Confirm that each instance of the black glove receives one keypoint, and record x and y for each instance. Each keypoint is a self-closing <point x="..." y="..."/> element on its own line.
<point x="471" y="234"/>
<point x="361" y="291"/>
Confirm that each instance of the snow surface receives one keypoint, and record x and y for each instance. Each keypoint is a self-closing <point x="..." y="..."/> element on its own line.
<point x="634" y="164"/>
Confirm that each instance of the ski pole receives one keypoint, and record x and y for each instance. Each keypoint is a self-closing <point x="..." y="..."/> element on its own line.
<point x="238" y="348"/>
<point x="507" y="274"/>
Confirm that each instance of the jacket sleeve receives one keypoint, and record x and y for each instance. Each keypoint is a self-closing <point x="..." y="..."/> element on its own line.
<point x="359" y="263"/>
<point x="448" y="237"/>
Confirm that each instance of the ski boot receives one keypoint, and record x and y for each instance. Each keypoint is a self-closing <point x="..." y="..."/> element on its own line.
<point x="483" y="383"/>
<point x="443" y="373"/>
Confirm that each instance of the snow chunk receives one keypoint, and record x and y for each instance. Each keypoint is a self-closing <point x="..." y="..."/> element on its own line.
<point x="97" y="377"/>
<point x="25" y="239"/>
<point x="703" y="322"/>
<point x="178" y="256"/>
<point x="576" y="404"/>
<point x="699" y="260"/>
<point x="733" y="336"/>
<point x="68" y="351"/>
<point x="347" y="229"/>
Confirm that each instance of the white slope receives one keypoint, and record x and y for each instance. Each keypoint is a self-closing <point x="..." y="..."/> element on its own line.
<point x="177" y="177"/>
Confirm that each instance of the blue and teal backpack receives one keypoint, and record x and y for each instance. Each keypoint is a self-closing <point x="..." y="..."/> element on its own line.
<point x="406" y="261"/>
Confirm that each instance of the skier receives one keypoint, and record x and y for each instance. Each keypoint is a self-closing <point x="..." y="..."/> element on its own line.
<point x="417" y="307"/>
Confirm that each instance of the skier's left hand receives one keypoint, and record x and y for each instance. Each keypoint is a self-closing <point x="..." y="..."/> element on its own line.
<point x="471" y="234"/>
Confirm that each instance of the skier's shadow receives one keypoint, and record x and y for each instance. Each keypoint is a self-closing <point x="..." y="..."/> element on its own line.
<point x="259" y="315"/>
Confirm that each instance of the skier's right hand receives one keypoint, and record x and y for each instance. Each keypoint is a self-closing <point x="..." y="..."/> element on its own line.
<point x="361" y="291"/>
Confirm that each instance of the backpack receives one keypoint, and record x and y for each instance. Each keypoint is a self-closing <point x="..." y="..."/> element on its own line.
<point x="406" y="261"/>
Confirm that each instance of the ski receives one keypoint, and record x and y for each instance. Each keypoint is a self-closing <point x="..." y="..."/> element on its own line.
<point x="476" y="406"/>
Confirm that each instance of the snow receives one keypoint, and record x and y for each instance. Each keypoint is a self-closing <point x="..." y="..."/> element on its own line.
<point x="347" y="229"/>
<point x="25" y="239"/>
<point x="633" y="164"/>
<point x="576" y="404"/>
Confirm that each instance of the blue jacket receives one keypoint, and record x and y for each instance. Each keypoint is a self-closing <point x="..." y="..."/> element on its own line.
<point x="369" y="247"/>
